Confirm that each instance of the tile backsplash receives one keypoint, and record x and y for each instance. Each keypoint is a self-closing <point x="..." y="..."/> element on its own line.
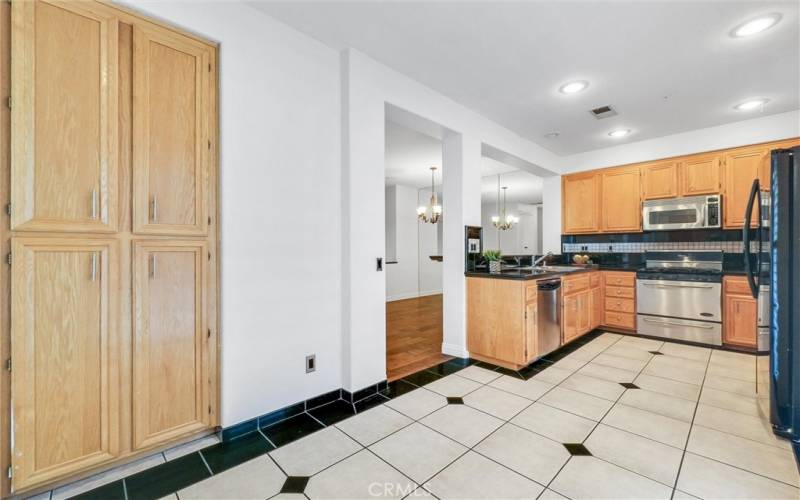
<point x="641" y="246"/>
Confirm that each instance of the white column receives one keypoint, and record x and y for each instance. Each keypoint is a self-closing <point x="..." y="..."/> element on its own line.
<point x="551" y="214"/>
<point x="461" y="166"/>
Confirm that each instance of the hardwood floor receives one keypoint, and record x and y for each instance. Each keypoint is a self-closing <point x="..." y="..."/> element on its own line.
<point x="413" y="335"/>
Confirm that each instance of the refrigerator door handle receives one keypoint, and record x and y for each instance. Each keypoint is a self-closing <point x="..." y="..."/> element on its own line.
<point x="755" y="193"/>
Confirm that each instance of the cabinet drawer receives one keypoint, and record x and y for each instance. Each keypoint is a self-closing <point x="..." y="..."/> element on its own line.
<point x="620" y="305"/>
<point x="620" y="278"/>
<point x="576" y="284"/>
<point x="620" y="320"/>
<point x="594" y="279"/>
<point x="619" y="291"/>
<point x="530" y="291"/>
<point x="736" y="285"/>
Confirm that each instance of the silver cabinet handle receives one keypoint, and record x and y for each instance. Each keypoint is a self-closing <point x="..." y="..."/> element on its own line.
<point x="152" y="266"/>
<point x="94" y="266"/>
<point x="670" y="323"/>
<point x="154" y="208"/>
<point x="676" y="286"/>
<point x="94" y="203"/>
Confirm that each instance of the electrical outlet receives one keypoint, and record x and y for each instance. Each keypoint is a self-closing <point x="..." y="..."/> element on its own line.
<point x="311" y="363"/>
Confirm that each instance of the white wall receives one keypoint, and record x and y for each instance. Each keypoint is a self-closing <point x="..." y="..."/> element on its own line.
<point x="430" y="271"/>
<point x="280" y="145"/>
<point x="402" y="279"/>
<point x="551" y="215"/>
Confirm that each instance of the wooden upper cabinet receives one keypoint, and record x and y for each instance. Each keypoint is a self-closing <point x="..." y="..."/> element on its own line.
<point x="65" y="382"/>
<point x="765" y="170"/>
<point x="580" y="203"/>
<point x="659" y="180"/>
<point x="171" y="141"/>
<point x="742" y="167"/>
<point x="621" y="200"/>
<point x="64" y="116"/>
<point x="699" y="174"/>
<point x="170" y="341"/>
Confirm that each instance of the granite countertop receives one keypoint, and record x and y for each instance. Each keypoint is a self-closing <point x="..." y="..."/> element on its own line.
<point x="525" y="275"/>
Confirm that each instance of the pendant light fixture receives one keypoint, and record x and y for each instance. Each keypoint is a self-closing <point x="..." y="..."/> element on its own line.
<point x="504" y="221"/>
<point x="433" y="212"/>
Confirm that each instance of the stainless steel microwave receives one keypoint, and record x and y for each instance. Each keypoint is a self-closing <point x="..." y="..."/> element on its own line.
<point x="691" y="212"/>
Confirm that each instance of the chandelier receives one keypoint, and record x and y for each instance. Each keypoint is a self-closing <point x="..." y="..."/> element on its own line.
<point x="433" y="212"/>
<point x="504" y="221"/>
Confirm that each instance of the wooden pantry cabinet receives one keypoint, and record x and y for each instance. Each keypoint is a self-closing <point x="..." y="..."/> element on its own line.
<point x="109" y="164"/>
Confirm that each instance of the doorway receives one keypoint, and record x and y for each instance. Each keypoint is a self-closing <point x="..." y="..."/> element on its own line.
<point x="413" y="183"/>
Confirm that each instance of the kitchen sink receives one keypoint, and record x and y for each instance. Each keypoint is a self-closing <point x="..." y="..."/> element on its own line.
<point x="560" y="269"/>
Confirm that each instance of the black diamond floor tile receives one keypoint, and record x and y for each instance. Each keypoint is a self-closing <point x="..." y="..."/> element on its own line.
<point x="657" y="353"/>
<point x="225" y="455"/>
<point x="421" y="378"/>
<point x="577" y="449"/>
<point x="291" y="429"/>
<point x="398" y="388"/>
<point x="628" y="385"/>
<point x="455" y="401"/>
<point x="294" y="484"/>
<point x="166" y="478"/>
<point x="334" y="412"/>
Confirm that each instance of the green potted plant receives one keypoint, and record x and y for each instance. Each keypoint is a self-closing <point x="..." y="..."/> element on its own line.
<point x="494" y="258"/>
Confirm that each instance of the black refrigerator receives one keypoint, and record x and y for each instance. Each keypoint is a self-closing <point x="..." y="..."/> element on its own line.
<point x="781" y="228"/>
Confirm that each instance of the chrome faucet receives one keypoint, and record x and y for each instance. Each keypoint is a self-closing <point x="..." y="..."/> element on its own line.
<point x="542" y="258"/>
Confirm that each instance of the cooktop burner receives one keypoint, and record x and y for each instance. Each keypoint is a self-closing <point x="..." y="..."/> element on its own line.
<point x="683" y="266"/>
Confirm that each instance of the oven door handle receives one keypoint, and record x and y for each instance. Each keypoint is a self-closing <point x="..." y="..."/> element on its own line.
<point x="671" y="323"/>
<point x="676" y="286"/>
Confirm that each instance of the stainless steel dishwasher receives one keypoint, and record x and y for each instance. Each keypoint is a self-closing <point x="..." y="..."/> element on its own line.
<point x="549" y="316"/>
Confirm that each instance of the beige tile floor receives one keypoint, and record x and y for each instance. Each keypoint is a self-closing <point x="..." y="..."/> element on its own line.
<point x="691" y="430"/>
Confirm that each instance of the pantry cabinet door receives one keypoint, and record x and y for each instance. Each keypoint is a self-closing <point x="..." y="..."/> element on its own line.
<point x="580" y="203"/>
<point x="700" y="174"/>
<point x="171" y="142"/>
<point x="170" y="345"/>
<point x="742" y="167"/>
<point x="621" y="200"/>
<point x="65" y="374"/>
<point x="63" y="116"/>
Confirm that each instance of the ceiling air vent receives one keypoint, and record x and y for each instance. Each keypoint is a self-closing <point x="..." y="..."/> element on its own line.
<point x="603" y="112"/>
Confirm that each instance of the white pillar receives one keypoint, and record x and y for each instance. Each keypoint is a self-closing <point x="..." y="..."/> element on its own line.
<point x="551" y="214"/>
<point x="461" y="167"/>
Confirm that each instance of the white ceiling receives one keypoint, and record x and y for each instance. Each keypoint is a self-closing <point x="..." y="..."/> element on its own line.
<point x="666" y="66"/>
<point x="409" y="154"/>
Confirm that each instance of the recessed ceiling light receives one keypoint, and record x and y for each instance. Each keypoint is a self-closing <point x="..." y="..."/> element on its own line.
<point x="756" y="25"/>
<point x="751" y="104"/>
<point x="552" y="135"/>
<point x="622" y="132"/>
<point x="573" y="87"/>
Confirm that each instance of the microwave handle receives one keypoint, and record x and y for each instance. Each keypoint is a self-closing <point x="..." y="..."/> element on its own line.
<point x="703" y="215"/>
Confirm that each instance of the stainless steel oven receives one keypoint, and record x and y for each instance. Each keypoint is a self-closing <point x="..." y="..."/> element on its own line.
<point x="692" y="212"/>
<point x="679" y="296"/>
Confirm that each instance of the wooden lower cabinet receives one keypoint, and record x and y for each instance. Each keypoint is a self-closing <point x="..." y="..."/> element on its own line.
<point x="597" y="307"/>
<point x="739" y="314"/>
<point x="65" y="378"/>
<point x="619" y="299"/>
<point x="502" y="321"/>
<point x="578" y="312"/>
<point x="170" y="351"/>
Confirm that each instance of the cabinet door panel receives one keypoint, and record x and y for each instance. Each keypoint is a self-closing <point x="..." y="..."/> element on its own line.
<point x="170" y="350"/>
<point x="621" y="201"/>
<point x="741" y="169"/>
<point x="740" y="321"/>
<point x="659" y="180"/>
<point x="700" y="175"/>
<point x="65" y="378"/>
<point x="580" y="198"/>
<point x="64" y="117"/>
<point x="531" y="326"/>
<point x="171" y="141"/>
<point x="569" y="317"/>
<point x="597" y="304"/>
